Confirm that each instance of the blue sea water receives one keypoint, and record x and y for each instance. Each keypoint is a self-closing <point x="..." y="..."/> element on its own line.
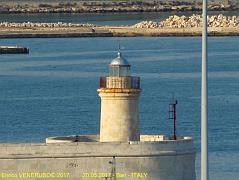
<point x="52" y="91"/>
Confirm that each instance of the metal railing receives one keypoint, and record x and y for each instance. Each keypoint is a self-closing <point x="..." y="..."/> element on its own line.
<point x="128" y="82"/>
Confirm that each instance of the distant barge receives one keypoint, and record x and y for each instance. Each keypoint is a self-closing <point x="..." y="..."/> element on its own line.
<point x="13" y="50"/>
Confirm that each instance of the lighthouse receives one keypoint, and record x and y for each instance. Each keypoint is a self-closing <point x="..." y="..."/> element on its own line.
<point x="119" y="150"/>
<point x="119" y="93"/>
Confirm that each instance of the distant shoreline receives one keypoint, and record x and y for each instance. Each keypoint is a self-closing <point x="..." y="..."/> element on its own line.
<point x="117" y="12"/>
<point x="103" y="6"/>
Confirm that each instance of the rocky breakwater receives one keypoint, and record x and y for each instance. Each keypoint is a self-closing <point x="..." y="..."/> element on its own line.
<point x="44" y="25"/>
<point x="50" y="30"/>
<point x="191" y="21"/>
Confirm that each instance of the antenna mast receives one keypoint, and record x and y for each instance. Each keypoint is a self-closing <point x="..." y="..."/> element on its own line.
<point x="172" y="115"/>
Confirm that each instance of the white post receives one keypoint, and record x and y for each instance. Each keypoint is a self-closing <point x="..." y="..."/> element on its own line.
<point x="204" y="130"/>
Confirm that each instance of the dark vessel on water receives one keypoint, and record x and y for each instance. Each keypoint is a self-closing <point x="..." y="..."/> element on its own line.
<point x="13" y="50"/>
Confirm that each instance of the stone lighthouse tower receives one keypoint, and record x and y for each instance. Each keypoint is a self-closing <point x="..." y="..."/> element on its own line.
<point x="119" y="94"/>
<point x="119" y="150"/>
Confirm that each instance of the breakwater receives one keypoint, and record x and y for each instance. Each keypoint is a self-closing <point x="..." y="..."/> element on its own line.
<point x="170" y="22"/>
<point x="172" y="26"/>
<point x="52" y="34"/>
<point x="44" y="25"/>
<point x="111" y="6"/>
<point x="51" y="30"/>
<point x="191" y="21"/>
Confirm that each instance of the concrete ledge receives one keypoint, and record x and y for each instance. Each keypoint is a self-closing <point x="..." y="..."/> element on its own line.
<point x="114" y="31"/>
<point x="95" y="138"/>
<point x="92" y="148"/>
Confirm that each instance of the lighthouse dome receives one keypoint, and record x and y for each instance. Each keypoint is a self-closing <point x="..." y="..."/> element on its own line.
<point x="119" y="66"/>
<point x="119" y="61"/>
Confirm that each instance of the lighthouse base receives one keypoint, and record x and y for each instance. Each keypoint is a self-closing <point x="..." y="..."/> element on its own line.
<point x="155" y="157"/>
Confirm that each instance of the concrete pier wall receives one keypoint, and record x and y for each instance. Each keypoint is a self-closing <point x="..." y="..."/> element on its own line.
<point x="152" y="160"/>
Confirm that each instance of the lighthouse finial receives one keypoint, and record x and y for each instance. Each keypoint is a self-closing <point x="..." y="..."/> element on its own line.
<point x="119" y="49"/>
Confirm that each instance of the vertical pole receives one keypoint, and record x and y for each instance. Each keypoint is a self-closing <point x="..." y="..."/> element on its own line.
<point x="173" y="116"/>
<point x="174" y="121"/>
<point x="204" y="130"/>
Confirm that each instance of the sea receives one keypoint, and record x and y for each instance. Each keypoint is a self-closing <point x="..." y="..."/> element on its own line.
<point x="53" y="90"/>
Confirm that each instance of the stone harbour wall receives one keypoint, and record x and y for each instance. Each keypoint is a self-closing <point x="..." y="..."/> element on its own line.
<point x="164" y="160"/>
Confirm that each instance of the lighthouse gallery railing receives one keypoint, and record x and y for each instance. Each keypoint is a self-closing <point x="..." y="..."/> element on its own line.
<point x="129" y="82"/>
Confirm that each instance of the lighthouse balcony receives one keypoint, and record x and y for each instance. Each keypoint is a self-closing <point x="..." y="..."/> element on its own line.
<point x="127" y="82"/>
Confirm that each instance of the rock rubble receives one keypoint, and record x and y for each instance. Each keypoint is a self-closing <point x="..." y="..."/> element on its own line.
<point x="191" y="21"/>
<point x="43" y="25"/>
